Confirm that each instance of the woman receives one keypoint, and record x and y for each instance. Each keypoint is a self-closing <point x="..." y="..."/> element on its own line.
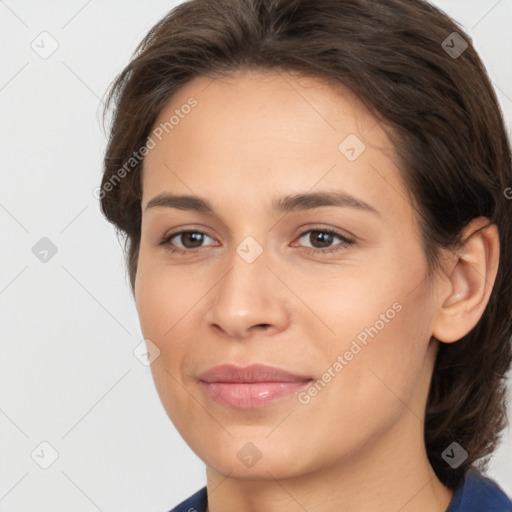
<point x="314" y="199"/>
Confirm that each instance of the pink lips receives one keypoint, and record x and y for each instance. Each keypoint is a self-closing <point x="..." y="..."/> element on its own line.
<point x="250" y="387"/>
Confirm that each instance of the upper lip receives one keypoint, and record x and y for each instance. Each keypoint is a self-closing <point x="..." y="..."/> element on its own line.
<point x="252" y="373"/>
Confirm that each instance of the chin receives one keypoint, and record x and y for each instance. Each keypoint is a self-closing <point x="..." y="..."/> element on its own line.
<point x="259" y="459"/>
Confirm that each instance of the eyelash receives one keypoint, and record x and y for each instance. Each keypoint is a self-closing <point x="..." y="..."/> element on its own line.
<point x="345" y="242"/>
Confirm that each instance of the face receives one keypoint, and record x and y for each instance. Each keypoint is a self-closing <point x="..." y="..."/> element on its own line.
<point x="300" y="252"/>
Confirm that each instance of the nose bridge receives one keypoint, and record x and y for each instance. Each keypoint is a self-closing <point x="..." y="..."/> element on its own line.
<point x="245" y="282"/>
<point x="246" y="297"/>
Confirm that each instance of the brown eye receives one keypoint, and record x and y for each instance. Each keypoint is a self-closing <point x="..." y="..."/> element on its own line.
<point x="324" y="238"/>
<point x="185" y="241"/>
<point x="320" y="239"/>
<point x="190" y="239"/>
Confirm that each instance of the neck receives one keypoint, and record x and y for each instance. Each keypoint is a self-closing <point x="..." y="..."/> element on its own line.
<point x="389" y="474"/>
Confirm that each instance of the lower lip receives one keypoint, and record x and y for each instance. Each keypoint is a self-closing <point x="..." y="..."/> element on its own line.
<point x="245" y="395"/>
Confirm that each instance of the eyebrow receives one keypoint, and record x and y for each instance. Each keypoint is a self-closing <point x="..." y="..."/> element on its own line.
<point x="285" y="204"/>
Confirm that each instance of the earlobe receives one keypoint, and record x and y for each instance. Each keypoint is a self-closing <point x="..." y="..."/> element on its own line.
<point x="470" y="282"/>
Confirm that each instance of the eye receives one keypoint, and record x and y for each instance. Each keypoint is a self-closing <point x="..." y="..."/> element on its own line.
<point x="185" y="241"/>
<point x="321" y="240"/>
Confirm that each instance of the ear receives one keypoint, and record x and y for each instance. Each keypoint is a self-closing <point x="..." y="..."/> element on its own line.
<point x="467" y="282"/>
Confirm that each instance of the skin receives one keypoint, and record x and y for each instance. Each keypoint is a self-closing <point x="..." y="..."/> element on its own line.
<point x="358" y="442"/>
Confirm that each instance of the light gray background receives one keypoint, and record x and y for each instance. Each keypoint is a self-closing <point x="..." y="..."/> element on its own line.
<point x="67" y="372"/>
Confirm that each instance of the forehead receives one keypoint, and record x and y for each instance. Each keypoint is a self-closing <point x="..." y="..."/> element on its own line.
<point x="266" y="102"/>
<point x="268" y="131"/>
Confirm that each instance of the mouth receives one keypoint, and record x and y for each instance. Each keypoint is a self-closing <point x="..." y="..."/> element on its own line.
<point x="250" y="387"/>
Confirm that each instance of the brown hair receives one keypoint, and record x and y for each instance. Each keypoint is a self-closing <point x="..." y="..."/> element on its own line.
<point x="400" y="58"/>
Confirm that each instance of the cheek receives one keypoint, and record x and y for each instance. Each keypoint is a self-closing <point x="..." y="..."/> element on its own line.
<point x="163" y="297"/>
<point x="169" y="304"/>
<point x="163" y="300"/>
<point x="382" y="325"/>
<point x="386" y="376"/>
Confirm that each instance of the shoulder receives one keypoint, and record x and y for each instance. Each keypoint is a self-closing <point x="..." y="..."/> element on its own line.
<point x="195" y="503"/>
<point x="479" y="493"/>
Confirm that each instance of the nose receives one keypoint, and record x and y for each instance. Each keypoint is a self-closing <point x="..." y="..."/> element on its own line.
<point x="249" y="299"/>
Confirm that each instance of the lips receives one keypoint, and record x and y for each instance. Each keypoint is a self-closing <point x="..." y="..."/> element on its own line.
<point x="250" y="374"/>
<point x="251" y="386"/>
